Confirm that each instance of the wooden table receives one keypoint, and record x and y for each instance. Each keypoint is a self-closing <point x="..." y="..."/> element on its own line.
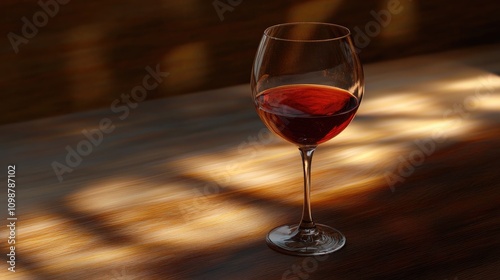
<point x="187" y="187"/>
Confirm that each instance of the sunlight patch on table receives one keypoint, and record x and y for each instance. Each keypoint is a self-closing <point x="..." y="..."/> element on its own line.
<point x="18" y="275"/>
<point x="58" y="244"/>
<point x="207" y="223"/>
<point x="490" y="104"/>
<point x="483" y="82"/>
<point x="402" y="104"/>
<point x="278" y="176"/>
<point x="116" y="194"/>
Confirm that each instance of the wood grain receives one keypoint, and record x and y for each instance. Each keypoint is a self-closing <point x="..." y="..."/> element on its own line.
<point x="186" y="187"/>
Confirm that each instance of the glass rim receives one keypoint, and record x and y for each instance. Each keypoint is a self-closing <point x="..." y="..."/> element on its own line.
<point x="340" y="27"/>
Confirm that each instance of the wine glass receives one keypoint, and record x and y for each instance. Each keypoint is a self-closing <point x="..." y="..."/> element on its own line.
<point x="307" y="83"/>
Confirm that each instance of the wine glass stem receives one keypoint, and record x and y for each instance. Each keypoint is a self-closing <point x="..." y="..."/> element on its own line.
<point x="307" y="221"/>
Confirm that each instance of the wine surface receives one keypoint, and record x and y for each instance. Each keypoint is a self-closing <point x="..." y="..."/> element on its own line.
<point x="306" y="114"/>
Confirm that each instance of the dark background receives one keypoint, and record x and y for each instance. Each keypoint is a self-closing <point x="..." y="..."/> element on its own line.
<point x="90" y="52"/>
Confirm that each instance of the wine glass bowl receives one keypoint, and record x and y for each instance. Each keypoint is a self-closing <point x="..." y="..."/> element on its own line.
<point x="307" y="84"/>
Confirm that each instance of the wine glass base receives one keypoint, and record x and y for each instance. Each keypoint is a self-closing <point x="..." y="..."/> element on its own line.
<point x="291" y="240"/>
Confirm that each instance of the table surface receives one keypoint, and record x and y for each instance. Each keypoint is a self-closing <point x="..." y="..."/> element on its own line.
<point x="187" y="187"/>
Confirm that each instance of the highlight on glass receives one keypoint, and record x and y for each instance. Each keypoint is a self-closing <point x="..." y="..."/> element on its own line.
<point x="307" y="84"/>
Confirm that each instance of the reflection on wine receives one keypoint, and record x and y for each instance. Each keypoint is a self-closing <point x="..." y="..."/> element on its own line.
<point x="306" y="114"/>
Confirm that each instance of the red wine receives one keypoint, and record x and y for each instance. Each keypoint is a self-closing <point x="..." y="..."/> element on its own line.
<point x="306" y="114"/>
